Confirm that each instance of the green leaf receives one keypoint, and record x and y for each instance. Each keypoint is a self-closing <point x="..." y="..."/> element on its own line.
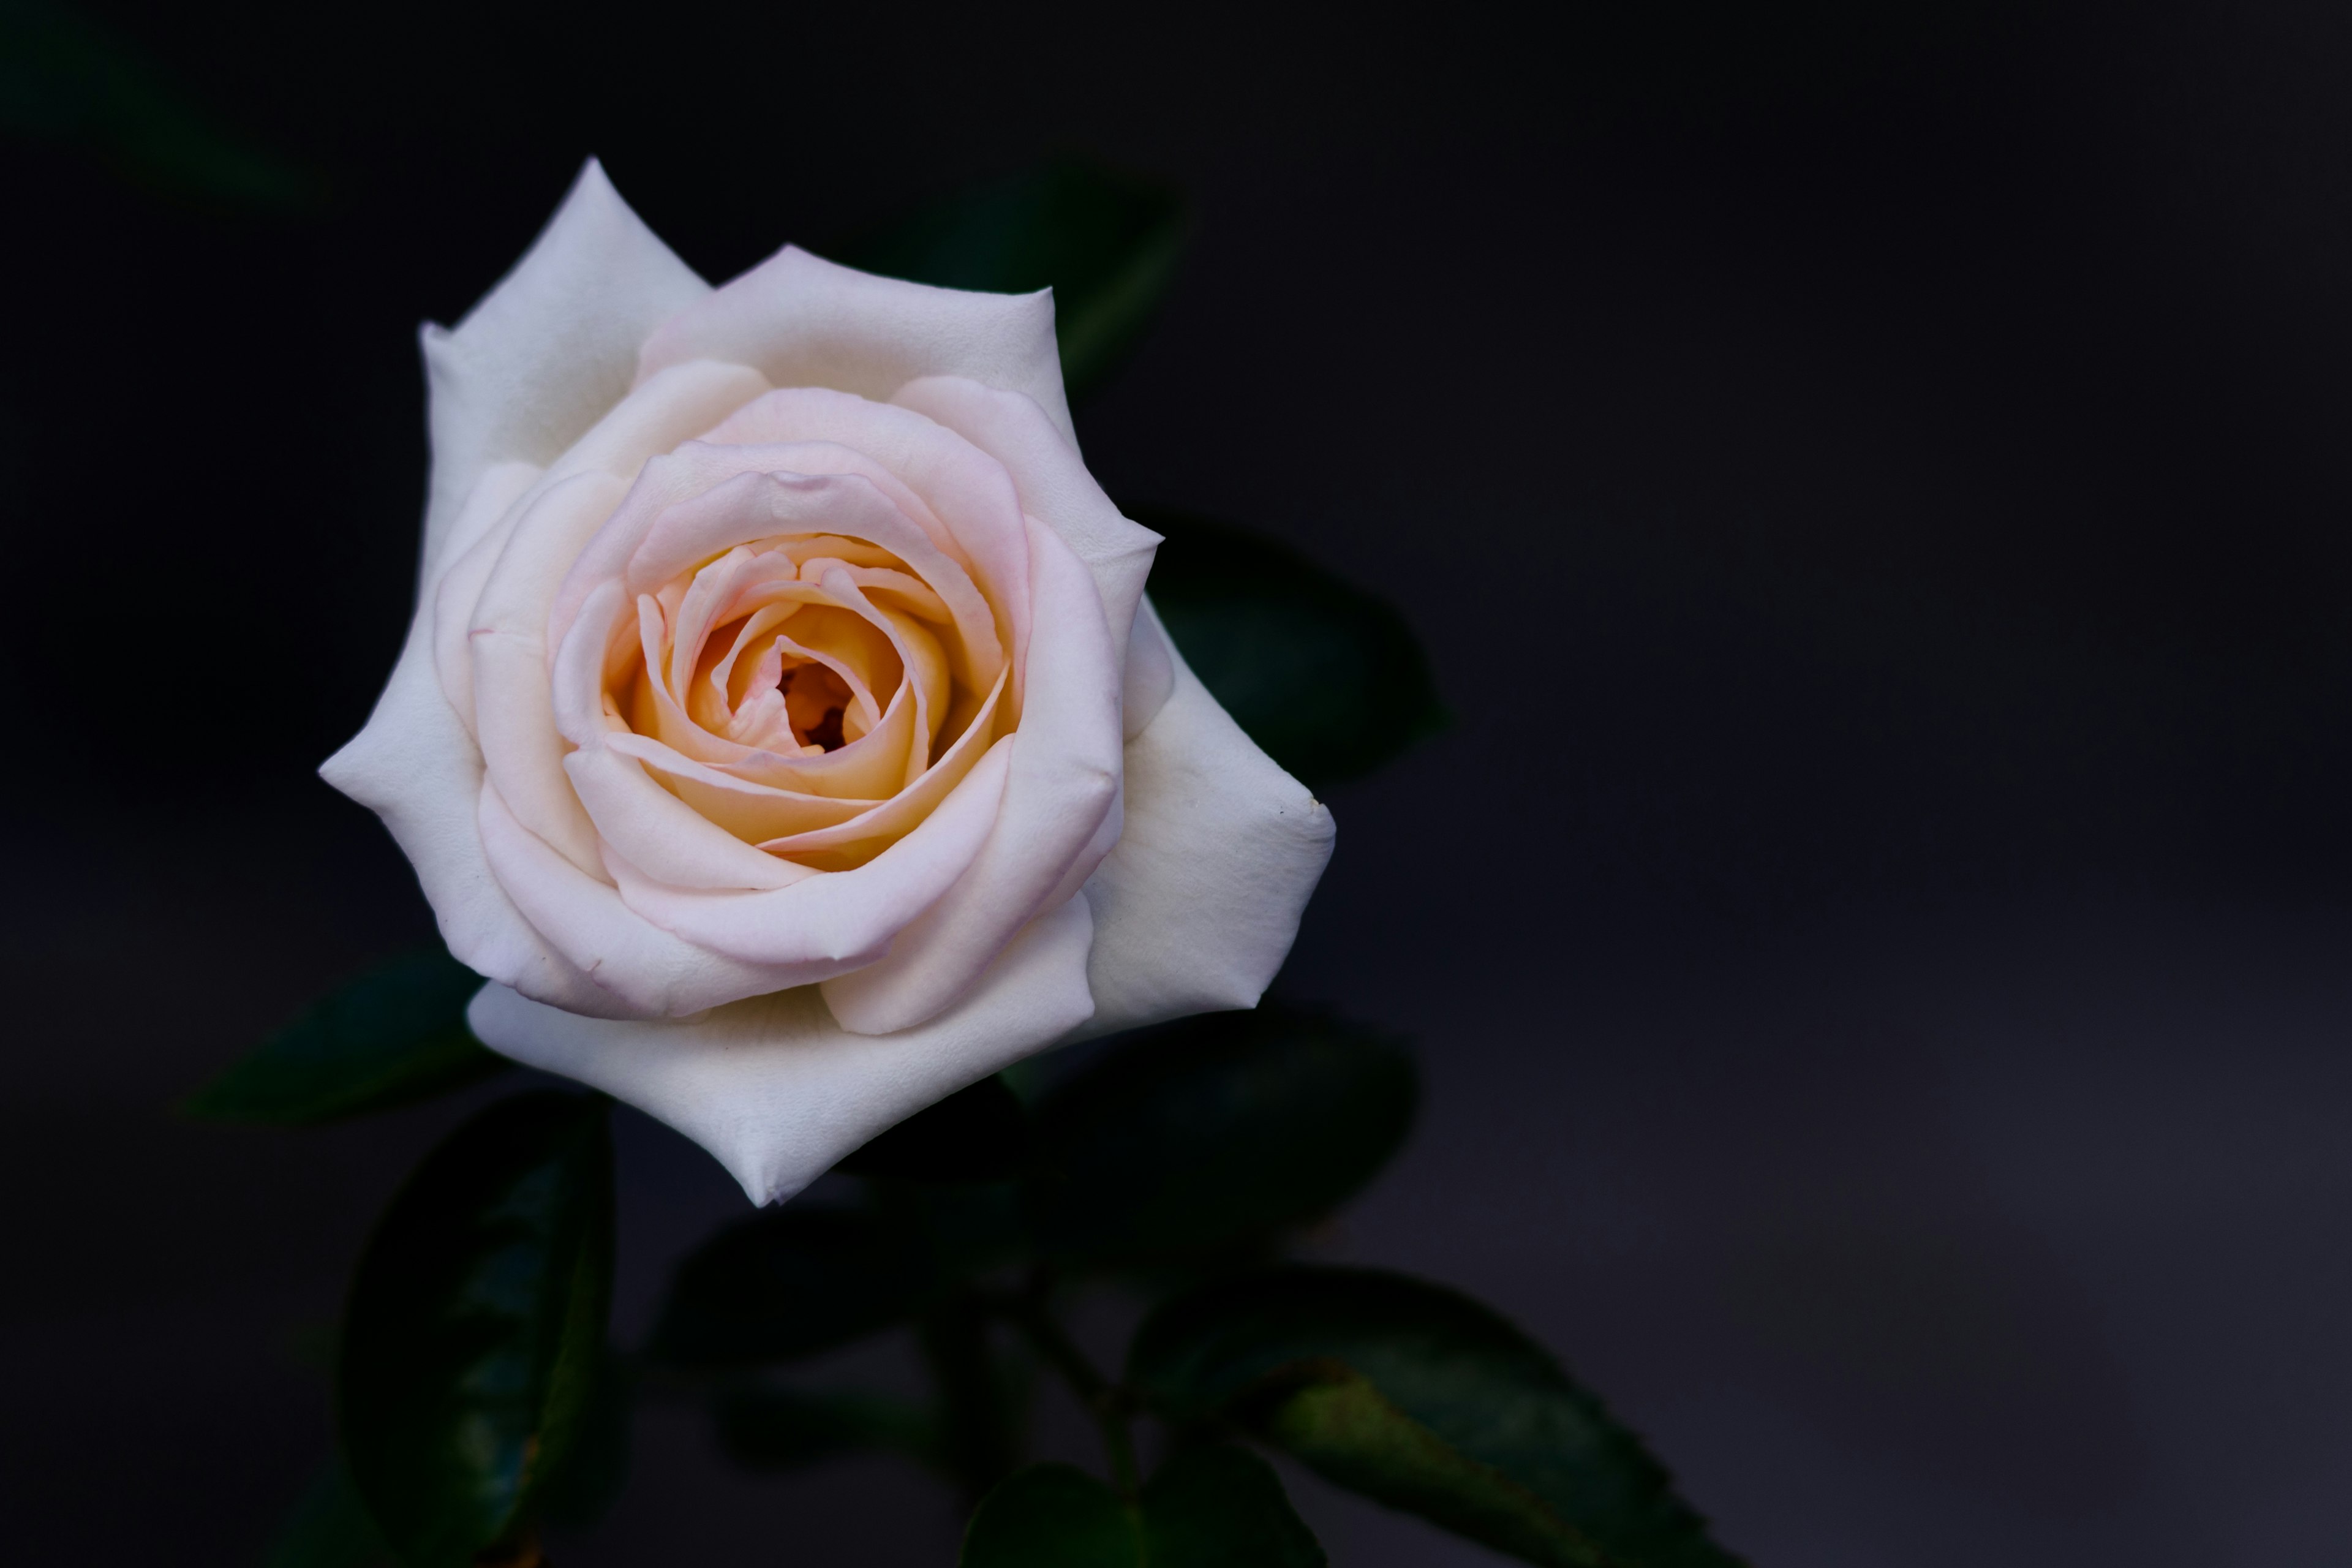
<point x="476" y="1325"/>
<point x="1212" y="1507"/>
<point x="582" y="1489"/>
<point x="790" y="1282"/>
<point x="328" y="1528"/>
<point x="1106" y="242"/>
<point x="1222" y="1507"/>
<point x="775" y="1429"/>
<point x="1215" y="1132"/>
<point x="1338" y="1423"/>
<point x="1052" y="1516"/>
<point x="1328" y="679"/>
<point x="978" y="1135"/>
<point x="395" y="1034"/>
<point x="1425" y="1400"/>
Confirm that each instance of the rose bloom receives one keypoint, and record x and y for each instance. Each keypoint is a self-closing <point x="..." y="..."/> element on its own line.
<point x="782" y="730"/>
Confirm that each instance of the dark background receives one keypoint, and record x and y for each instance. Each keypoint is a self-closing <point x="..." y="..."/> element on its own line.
<point x="1874" y="481"/>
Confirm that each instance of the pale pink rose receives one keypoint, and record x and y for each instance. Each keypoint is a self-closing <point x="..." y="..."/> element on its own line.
<point x="782" y="730"/>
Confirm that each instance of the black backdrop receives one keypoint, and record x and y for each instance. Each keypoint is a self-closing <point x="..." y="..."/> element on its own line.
<point x="1873" y="486"/>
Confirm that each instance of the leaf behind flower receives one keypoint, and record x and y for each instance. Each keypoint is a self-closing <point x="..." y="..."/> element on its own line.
<point x="1106" y="241"/>
<point x="980" y="1133"/>
<point x="474" y="1341"/>
<point x="395" y="1034"/>
<point x="1426" y="1400"/>
<point x="1214" y="1133"/>
<point x="1328" y="678"/>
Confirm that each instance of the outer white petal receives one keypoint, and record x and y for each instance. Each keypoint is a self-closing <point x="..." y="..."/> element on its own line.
<point x="1197" y="905"/>
<point x="775" y="1088"/>
<point x="1052" y="479"/>
<point x="1148" y="674"/>
<point x="414" y="765"/>
<point x="804" y="321"/>
<point x="550" y="349"/>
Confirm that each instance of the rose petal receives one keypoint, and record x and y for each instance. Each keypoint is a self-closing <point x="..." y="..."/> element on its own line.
<point x="839" y="919"/>
<point x="758" y="502"/>
<point x="778" y="1091"/>
<point x="969" y="494"/>
<point x="1198" y="904"/>
<point x="475" y="540"/>
<point x="514" y="708"/>
<point x="1053" y="483"/>
<point x="414" y="765"/>
<point x="550" y="349"/>
<point x="1150" y="674"/>
<point x="805" y="322"/>
<point x="648" y="972"/>
<point x="1063" y="778"/>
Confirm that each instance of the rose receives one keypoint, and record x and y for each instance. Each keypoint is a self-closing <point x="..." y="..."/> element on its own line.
<point x="781" y="728"/>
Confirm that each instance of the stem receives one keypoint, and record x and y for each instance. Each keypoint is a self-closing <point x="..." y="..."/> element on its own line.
<point x="977" y="1424"/>
<point x="1104" y="1400"/>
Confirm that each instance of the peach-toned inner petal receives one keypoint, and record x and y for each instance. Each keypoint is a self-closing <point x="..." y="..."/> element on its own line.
<point x="814" y="693"/>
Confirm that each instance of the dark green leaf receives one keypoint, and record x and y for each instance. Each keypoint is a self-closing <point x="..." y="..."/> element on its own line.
<point x="1330" y="680"/>
<point x="329" y="1527"/>
<point x="64" y="77"/>
<point x="1213" y="1506"/>
<point x="1215" y="1132"/>
<point x="1107" y="243"/>
<point x="1222" y="1507"/>
<point x="1426" y="1400"/>
<point x="582" y="1489"/>
<point x="1052" y="1516"/>
<point x="1338" y="1423"/>
<point x="979" y="1134"/>
<point x="476" y="1325"/>
<point x="791" y="1282"/>
<point x="772" y="1428"/>
<point x="395" y="1034"/>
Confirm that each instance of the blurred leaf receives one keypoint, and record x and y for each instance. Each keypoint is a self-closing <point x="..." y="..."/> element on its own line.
<point x="1222" y="1507"/>
<point x="329" y="1527"/>
<point x="1106" y="242"/>
<point x="1215" y="1132"/>
<point x="978" y="1135"/>
<point x="1427" y="1401"/>
<point x="775" y="1429"/>
<point x="1052" y="1516"/>
<point x="476" y="1326"/>
<point x="395" y="1034"/>
<point x="64" y="78"/>
<point x="1328" y="678"/>
<point x="793" y="1281"/>
<point x="1213" y="1506"/>
<point x="582" y="1487"/>
<point x="1338" y="1423"/>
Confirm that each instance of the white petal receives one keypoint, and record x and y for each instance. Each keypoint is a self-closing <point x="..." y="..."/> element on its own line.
<point x="550" y="349"/>
<point x="835" y="920"/>
<point x="1063" y="781"/>
<point x="1052" y="479"/>
<point x="804" y="321"/>
<point x="1150" y="674"/>
<point x="1198" y="904"/>
<point x="645" y="971"/>
<point x="414" y="765"/>
<point x="775" y="1088"/>
<point x="514" y="712"/>
<point x="470" y="551"/>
